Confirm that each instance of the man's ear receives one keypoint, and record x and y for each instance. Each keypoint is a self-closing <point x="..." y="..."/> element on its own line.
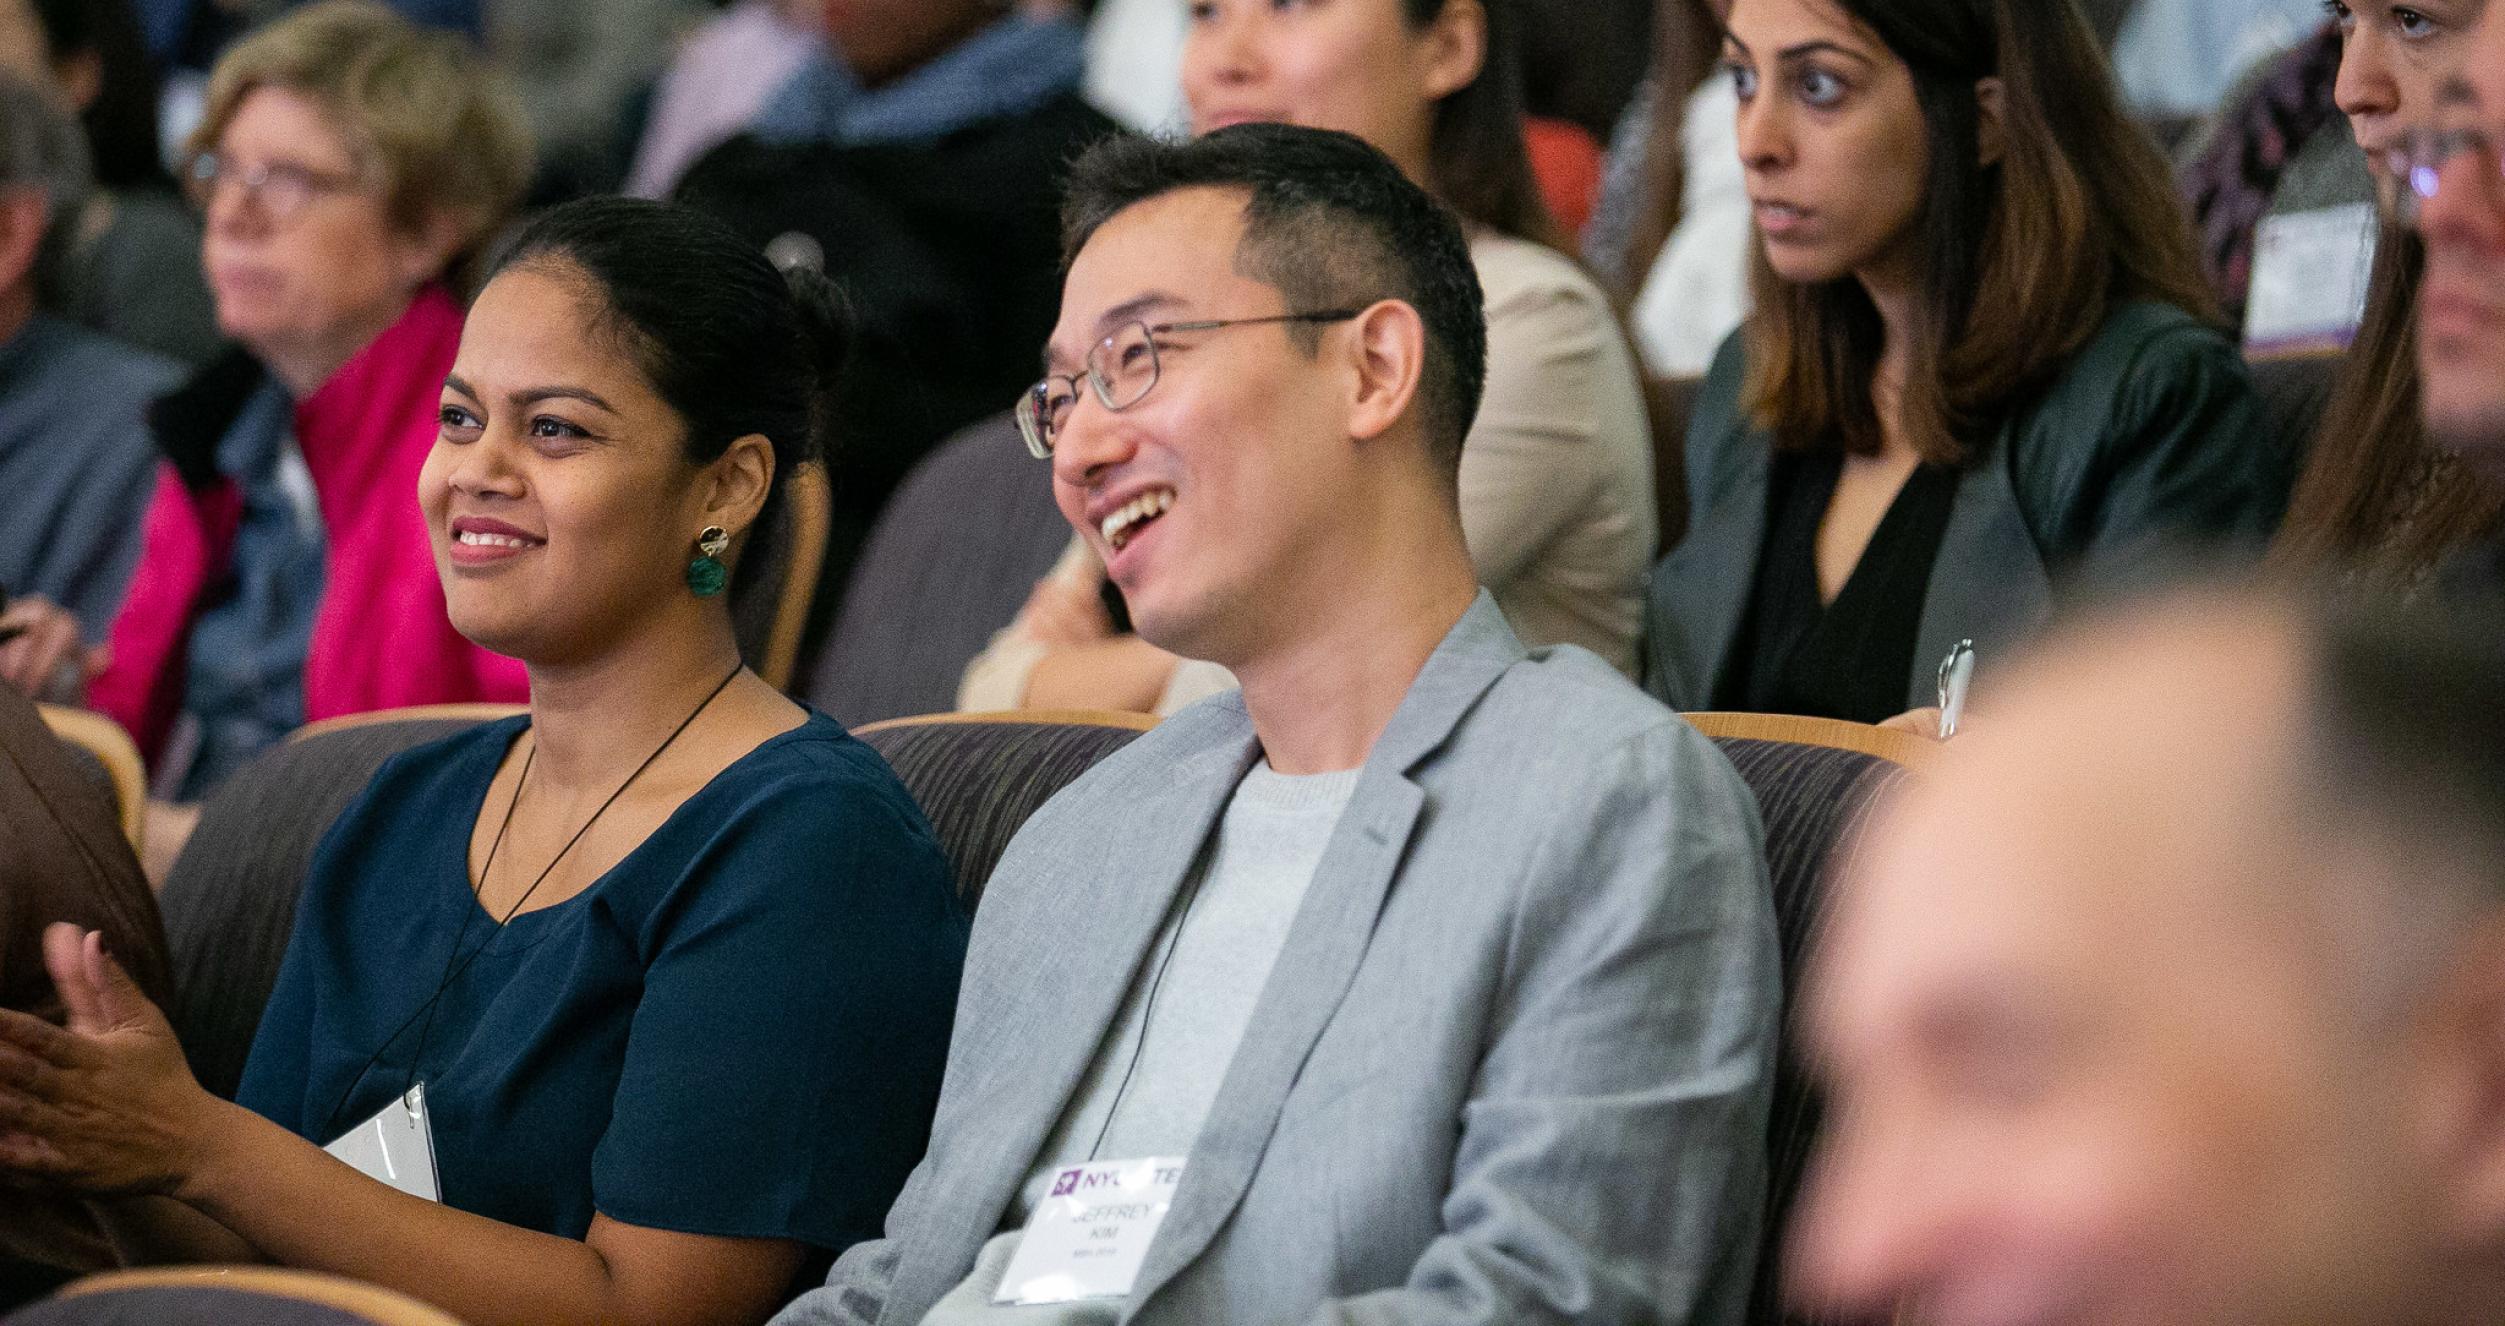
<point x="24" y="216"/>
<point x="1387" y="348"/>
<point x="1991" y="99"/>
<point x="2462" y="1111"/>
<point x="1455" y="49"/>
<point x="736" y="484"/>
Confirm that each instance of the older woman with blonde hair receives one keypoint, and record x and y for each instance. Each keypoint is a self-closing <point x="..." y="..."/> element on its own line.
<point x="347" y="163"/>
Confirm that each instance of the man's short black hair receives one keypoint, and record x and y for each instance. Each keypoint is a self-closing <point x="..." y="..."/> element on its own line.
<point x="1330" y="222"/>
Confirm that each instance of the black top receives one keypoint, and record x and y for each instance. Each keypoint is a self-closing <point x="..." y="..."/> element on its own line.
<point x="1797" y="654"/>
<point x="737" y="1030"/>
<point x="2475" y="574"/>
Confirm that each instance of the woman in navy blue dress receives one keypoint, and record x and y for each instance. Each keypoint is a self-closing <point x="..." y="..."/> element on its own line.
<point x="664" y="970"/>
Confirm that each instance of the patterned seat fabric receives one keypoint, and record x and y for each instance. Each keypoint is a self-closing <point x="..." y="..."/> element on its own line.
<point x="978" y="780"/>
<point x="1813" y="800"/>
<point x="230" y="899"/>
<point x="953" y="558"/>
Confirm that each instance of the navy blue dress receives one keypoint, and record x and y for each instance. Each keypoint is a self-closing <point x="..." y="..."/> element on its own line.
<point x="739" y="1030"/>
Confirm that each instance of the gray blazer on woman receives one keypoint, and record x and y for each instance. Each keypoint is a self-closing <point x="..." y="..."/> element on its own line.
<point x="1512" y="1066"/>
<point x="2152" y="433"/>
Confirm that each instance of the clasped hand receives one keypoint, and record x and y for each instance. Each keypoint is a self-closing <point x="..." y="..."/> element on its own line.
<point x="105" y="1107"/>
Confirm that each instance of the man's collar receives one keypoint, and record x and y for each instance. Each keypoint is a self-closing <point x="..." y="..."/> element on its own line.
<point x="1472" y="656"/>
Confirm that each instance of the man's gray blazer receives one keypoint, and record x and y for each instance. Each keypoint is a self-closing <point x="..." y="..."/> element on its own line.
<point x="1512" y="1066"/>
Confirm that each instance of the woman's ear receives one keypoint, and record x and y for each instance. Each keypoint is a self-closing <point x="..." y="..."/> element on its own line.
<point x="736" y="484"/>
<point x="1455" y="47"/>
<point x="1991" y="99"/>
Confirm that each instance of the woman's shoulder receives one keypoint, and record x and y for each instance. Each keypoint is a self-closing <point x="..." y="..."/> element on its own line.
<point x="810" y="806"/>
<point x="413" y="783"/>
<point x="2146" y="353"/>
<point x="1519" y="276"/>
<point x="815" y="782"/>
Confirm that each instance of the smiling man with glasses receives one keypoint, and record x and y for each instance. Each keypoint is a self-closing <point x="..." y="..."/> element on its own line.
<point x="1426" y="978"/>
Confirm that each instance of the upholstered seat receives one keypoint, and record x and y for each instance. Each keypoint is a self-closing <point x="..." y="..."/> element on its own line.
<point x="979" y="777"/>
<point x="1813" y="800"/>
<point x="230" y="898"/>
<point x="952" y="559"/>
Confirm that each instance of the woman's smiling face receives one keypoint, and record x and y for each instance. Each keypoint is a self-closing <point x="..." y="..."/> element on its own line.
<point x="559" y="496"/>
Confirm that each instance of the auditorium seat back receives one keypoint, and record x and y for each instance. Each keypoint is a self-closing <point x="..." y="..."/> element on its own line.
<point x="1815" y="783"/>
<point x="227" y="1296"/>
<point x="952" y="558"/>
<point x="978" y="776"/>
<point x="230" y="898"/>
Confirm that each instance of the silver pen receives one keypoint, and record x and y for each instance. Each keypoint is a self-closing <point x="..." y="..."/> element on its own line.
<point x="1956" y="674"/>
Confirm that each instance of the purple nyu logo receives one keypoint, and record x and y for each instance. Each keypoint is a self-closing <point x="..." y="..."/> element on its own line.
<point x="1068" y="1183"/>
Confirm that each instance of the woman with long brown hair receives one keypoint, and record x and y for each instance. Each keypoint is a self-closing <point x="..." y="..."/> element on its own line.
<point x="1982" y="355"/>
<point x="2376" y="499"/>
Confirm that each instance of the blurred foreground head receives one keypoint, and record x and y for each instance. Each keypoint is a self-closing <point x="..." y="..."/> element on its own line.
<point x="2177" y="994"/>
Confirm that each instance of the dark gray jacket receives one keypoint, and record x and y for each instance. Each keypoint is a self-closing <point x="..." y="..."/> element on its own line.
<point x="2152" y="434"/>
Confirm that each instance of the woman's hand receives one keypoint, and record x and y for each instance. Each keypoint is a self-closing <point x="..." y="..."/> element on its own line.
<point x="106" y="1107"/>
<point x="41" y="654"/>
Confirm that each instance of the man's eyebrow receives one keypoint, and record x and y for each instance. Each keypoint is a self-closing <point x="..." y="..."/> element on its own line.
<point x="1134" y="309"/>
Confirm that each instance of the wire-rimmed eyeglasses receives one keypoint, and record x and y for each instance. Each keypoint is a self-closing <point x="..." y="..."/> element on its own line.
<point x="281" y="189"/>
<point x="2413" y="169"/>
<point x="1122" y="369"/>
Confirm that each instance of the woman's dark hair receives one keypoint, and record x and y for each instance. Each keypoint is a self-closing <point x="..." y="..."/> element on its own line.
<point x="2019" y="261"/>
<point x="731" y="345"/>
<point x="2376" y="496"/>
<point x="1480" y="166"/>
<point x="122" y="123"/>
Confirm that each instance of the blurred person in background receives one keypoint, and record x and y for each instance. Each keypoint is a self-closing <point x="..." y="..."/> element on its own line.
<point x="135" y="271"/>
<point x="2379" y="502"/>
<point x="2176" y="59"/>
<point x="1671" y="236"/>
<point x="917" y="161"/>
<point x="1981" y="361"/>
<point x="76" y="462"/>
<point x="1556" y="474"/>
<point x="585" y="74"/>
<point x="717" y="81"/>
<point x="348" y="163"/>
<point x="2182" y="1009"/>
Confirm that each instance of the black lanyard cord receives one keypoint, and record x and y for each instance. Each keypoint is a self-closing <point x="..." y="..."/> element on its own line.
<point x="455" y="964"/>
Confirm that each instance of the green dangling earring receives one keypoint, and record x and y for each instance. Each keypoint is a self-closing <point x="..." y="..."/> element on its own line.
<point x="706" y="575"/>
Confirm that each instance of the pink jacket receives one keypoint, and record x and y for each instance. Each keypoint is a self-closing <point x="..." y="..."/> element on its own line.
<point x="380" y="638"/>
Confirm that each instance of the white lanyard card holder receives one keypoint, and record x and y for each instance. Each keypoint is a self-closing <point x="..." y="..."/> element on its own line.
<point x="1089" y="1236"/>
<point x="396" y="1146"/>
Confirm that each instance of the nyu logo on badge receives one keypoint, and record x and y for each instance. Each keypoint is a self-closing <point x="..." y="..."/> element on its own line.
<point x="1068" y="1183"/>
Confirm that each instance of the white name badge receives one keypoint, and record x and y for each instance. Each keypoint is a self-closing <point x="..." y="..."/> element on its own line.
<point x="2310" y="276"/>
<point x="1091" y="1232"/>
<point x="396" y="1146"/>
